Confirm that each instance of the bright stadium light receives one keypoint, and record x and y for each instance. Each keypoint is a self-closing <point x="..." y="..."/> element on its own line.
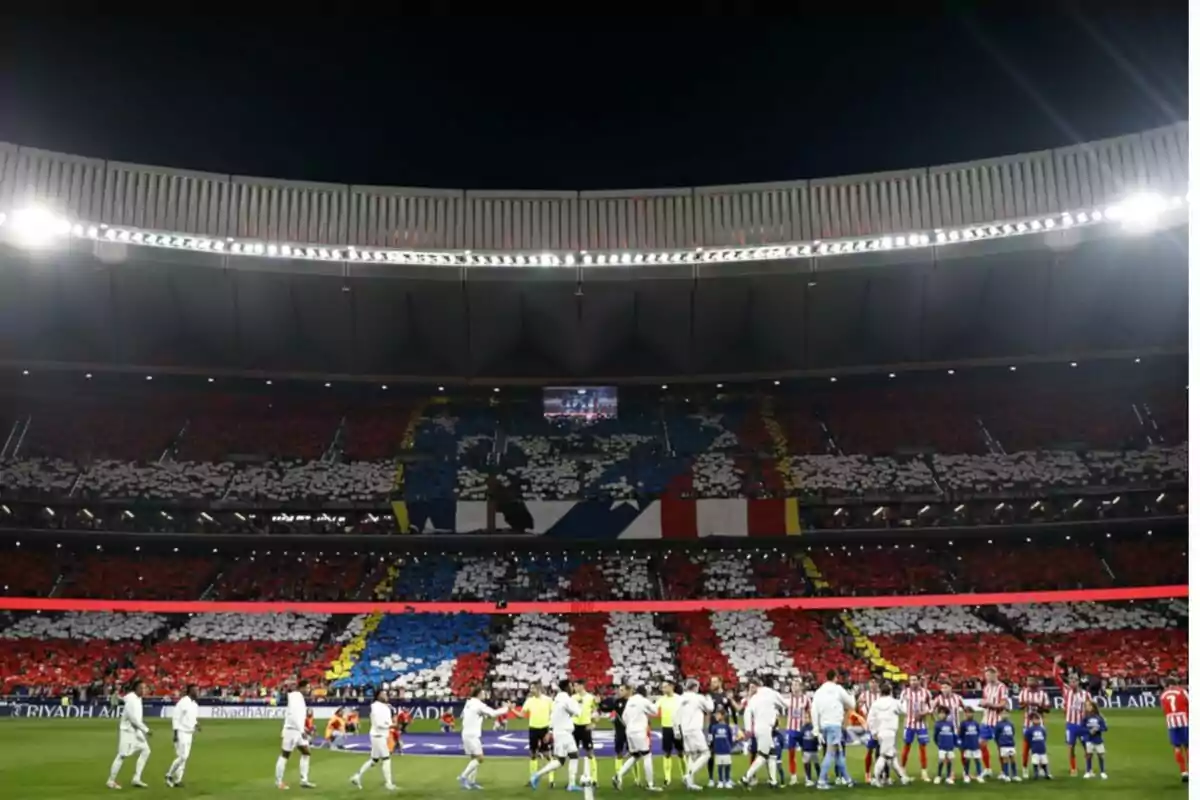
<point x="36" y="226"/>
<point x="1139" y="212"/>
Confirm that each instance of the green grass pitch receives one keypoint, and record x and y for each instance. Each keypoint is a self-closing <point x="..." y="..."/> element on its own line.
<point x="235" y="759"/>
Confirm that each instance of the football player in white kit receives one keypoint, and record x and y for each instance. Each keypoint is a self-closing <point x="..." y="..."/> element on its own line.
<point x="382" y="723"/>
<point x="638" y="711"/>
<point x="185" y="721"/>
<point x="563" y="711"/>
<point x="762" y="710"/>
<point x="883" y="721"/>
<point x="689" y="719"/>
<point x="132" y="737"/>
<point x="473" y="714"/>
<point x="294" y="722"/>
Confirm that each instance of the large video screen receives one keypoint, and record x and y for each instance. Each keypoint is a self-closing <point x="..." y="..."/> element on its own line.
<point x="580" y="402"/>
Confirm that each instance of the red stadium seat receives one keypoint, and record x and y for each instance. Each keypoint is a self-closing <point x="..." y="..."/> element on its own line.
<point x="962" y="658"/>
<point x="886" y="571"/>
<point x="60" y="664"/>
<point x="1137" y="655"/>
<point x="802" y="635"/>
<point x="589" y="659"/>
<point x="470" y="671"/>
<point x="140" y="578"/>
<point x="699" y="650"/>
<point x="170" y="666"/>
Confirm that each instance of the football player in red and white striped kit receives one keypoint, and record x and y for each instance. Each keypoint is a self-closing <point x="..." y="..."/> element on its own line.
<point x="995" y="700"/>
<point x="954" y="706"/>
<point x="1033" y="700"/>
<point x="799" y="709"/>
<point x="865" y="699"/>
<point x="917" y="703"/>
<point x="1075" y="700"/>
<point x="1174" y="703"/>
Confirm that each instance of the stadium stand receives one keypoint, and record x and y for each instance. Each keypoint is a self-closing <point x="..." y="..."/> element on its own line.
<point x="931" y="436"/>
<point x="443" y="655"/>
<point x="892" y="570"/>
<point x="638" y="649"/>
<point x="700" y="649"/>
<point x="533" y="650"/>
<point x="424" y="655"/>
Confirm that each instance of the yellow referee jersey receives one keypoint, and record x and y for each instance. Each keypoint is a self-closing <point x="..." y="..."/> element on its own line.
<point x="587" y="706"/>
<point x="666" y="709"/>
<point x="538" y="711"/>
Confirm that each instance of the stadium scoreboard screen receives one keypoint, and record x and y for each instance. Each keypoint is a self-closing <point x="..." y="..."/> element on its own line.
<point x="580" y="402"/>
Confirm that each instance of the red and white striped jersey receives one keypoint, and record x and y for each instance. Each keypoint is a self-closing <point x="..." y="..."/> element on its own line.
<point x="799" y="709"/>
<point x="865" y="699"/>
<point x="1074" y="700"/>
<point x="1031" y="700"/>
<point x="916" y="704"/>
<point x="1175" y="706"/>
<point x="993" y="695"/>
<point x="952" y="703"/>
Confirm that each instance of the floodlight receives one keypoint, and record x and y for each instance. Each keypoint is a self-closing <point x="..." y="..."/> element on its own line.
<point x="36" y="226"/>
<point x="1139" y="212"/>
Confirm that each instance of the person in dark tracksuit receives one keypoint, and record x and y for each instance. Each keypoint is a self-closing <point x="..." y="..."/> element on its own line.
<point x="722" y="703"/>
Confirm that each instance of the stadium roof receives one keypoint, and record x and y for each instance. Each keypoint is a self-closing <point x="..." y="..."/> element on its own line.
<point x="1017" y="258"/>
<point x="134" y="204"/>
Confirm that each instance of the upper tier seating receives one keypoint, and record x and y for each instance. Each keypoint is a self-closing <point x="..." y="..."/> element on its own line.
<point x="890" y="570"/>
<point x="858" y="475"/>
<point x="139" y="577"/>
<point x="1032" y="567"/>
<point x="25" y="573"/>
<point x="546" y="474"/>
<point x="1150" y="561"/>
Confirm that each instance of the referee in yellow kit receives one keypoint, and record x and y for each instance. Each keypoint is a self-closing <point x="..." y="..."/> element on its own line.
<point x="668" y="704"/>
<point x="537" y="709"/>
<point x="584" y="724"/>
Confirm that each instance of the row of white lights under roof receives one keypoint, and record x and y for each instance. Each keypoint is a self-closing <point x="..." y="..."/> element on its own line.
<point x="775" y="381"/>
<point x="38" y="226"/>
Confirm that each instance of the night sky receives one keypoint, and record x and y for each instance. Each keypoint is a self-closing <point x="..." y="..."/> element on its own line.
<point x="584" y="104"/>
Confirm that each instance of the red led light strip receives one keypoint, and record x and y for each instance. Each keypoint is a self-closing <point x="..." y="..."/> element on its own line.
<point x="661" y="606"/>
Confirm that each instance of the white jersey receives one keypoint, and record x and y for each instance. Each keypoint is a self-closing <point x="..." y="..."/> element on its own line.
<point x="381" y="718"/>
<point x="884" y="716"/>
<point x="186" y="715"/>
<point x="473" y="714"/>
<point x="638" y="711"/>
<point x="296" y="713"/>
<point x="829" y="705"/>
<point x="131" y="715"/>
<point x="764" y="708"/>
<point x="689" y="716"/>
<point x="563" y="712"/>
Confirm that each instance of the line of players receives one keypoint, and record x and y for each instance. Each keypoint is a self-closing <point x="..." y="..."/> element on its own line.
<point x="699" y="728"/>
